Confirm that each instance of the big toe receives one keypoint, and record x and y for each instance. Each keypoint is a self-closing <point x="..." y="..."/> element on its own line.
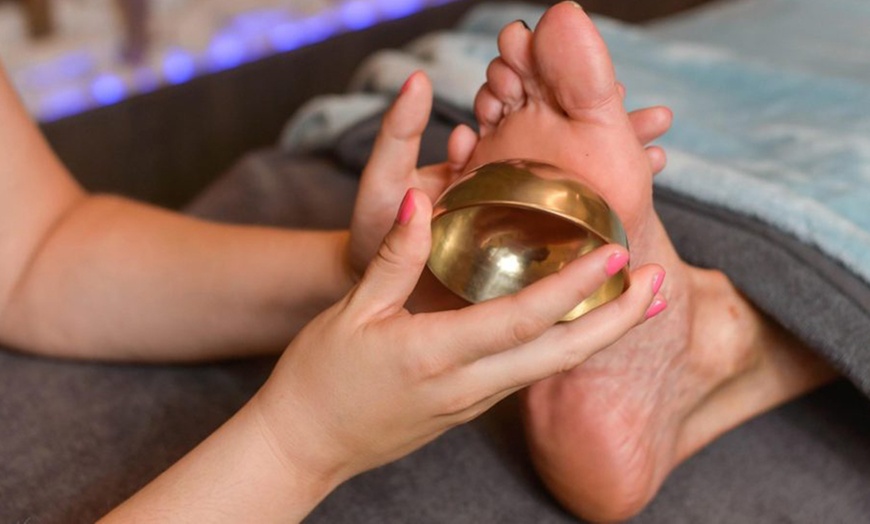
<point x="573" y="62"/>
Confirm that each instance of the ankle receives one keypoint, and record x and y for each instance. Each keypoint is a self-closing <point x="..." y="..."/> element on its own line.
<point x="762" y="366"/>
<point x="725" y="329"/>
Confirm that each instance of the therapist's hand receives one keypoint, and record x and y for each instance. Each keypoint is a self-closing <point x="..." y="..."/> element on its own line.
<point x="392" y="169"/>
<point x="367" y="382"/>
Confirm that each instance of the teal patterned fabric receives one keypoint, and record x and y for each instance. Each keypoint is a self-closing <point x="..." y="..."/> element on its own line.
<point x="772" y="113"/>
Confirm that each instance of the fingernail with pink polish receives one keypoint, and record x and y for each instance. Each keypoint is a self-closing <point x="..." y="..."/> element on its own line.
<point x="657" y="282"/>
<point x="407" y="83"/>
<point x="615" y="263"/>
<point x="658" y="305"/>
<point x="406" y="210"/>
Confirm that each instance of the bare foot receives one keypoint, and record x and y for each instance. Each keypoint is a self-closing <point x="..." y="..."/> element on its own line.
<point x="605" y="436"/>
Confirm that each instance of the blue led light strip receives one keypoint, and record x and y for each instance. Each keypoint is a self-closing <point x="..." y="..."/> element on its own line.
<point x="75" y="82"/>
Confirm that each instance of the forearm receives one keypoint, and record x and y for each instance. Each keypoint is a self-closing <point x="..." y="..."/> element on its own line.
<point x="115" y="279"/>
<point x="233" y="476"/>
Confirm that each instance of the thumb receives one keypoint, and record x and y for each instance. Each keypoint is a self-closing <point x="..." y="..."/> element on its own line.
<point x="393" y="274"/>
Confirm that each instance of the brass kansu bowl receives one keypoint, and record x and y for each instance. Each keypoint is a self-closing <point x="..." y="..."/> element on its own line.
<point x="508" y="224"/>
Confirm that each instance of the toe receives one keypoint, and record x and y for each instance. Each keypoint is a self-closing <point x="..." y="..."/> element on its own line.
<point x="488" y="110"/>
<point x="505" y="84"/>
<point x="658" y="159"/>
<point x="650" y="123"/>
<point x="515" y="48"/>
<point x="460" y="147"/>
<point x="573" y="62"/>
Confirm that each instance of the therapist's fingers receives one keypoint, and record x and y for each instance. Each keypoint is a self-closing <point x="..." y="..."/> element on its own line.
<point x="393" y="273"/>
<point x="397" y="145"/>
<point x="505" y="322"/>
<point x="570" y="344"/>
<point x="490" y="379"/>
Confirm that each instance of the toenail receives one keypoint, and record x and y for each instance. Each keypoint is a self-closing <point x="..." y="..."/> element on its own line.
<point x="576" y="4"/>
<point x="524" y="24"/>
<point x="657" y="281"/>
<point x="658" y="305"/>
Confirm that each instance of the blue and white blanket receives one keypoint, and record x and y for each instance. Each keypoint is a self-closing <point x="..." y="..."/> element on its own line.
<point x="771" y="101"/>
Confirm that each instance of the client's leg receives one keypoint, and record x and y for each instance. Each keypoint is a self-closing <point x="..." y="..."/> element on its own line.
<point x="605" y="436"/>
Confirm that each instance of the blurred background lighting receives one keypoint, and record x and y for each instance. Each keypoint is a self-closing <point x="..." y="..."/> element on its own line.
<point x="68" y="66"/>
<point x="108" y="89"/>
<point x="178" y="66"/>
<point x="317" y="28"/>
<point x="358" y="14"/>
<point x="78" y="79"/>
<point x="393" y="9"/>
<point x="226" y="51"/>
<point x="62" y="103"/>
<point x="286" y="36"/>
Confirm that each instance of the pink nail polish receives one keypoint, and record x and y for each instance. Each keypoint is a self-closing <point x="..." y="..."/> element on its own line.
<point x="657" y="282"/>
<point x="406" y="210"/>
<point x="658" y="305"/>
<point x="615" y="263"/>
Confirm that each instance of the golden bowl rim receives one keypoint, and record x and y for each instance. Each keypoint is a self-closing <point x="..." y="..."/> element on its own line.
<point x="616" y="233"/>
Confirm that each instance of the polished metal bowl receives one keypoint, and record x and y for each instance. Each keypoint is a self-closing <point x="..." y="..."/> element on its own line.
<point x="505" y="225"/>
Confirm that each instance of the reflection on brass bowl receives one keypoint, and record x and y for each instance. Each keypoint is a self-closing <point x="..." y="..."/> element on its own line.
<point x="508" y="224"/>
